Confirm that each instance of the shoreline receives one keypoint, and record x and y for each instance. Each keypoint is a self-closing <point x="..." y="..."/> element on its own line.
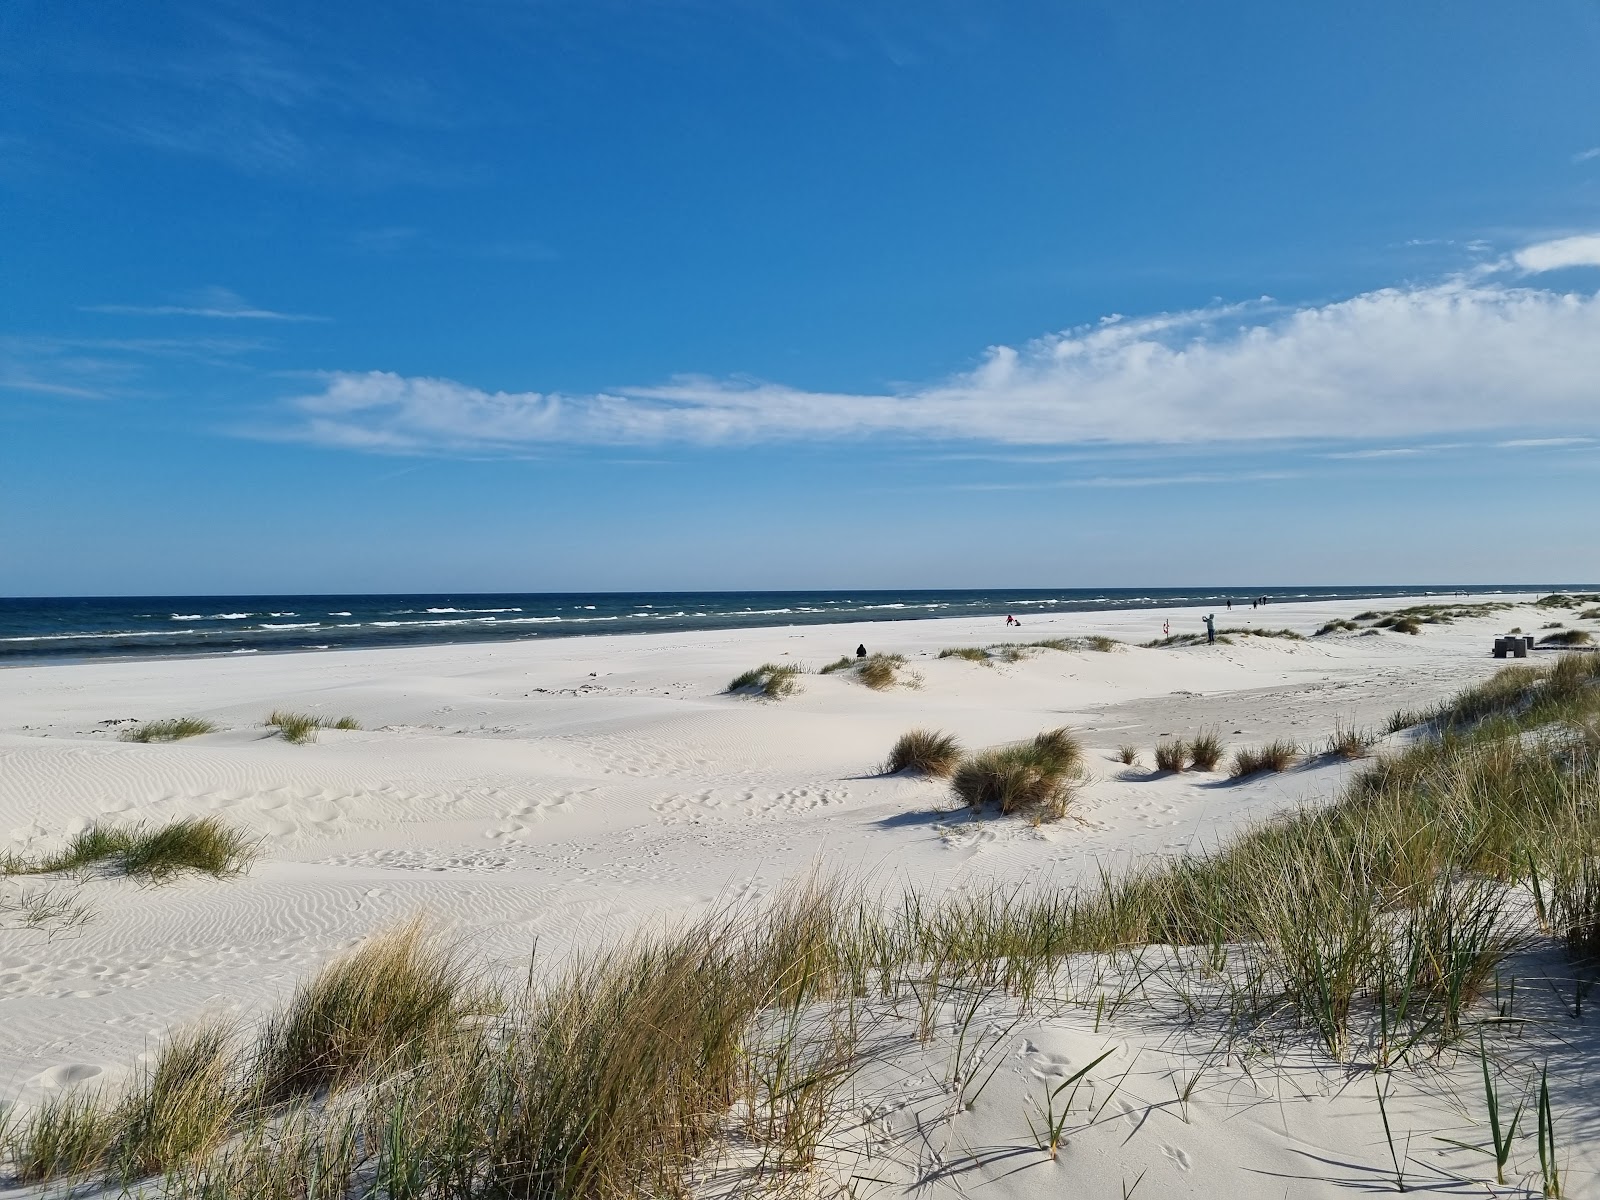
<point x="118" y="629"/>
<point x="1053" y="617"/>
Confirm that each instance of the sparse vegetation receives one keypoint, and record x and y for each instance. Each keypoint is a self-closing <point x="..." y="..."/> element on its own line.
<point x="1034" y="777"/>
<point x="842" y="663"/>
<point x="1172" y="755"/>
<point x="1205" y="750"/>
<point x="1224" y="637"/>
<point x="170" y="730"/>
<point x="880" y="671"/>
<point x="970" y="653"/>
<point x="1349" y="743"/>
<point x="300" y="728"/>
<point x="1568" y="637"/>
<point x="770" y="680"/>
<point x="385" y="1000"/>
<point x="1338" y="626"/>
<point x="200" y="844"/>
<point x="1128" y="755"/>
<point x="1278" y="755"/>
<point x="924" y="750"/>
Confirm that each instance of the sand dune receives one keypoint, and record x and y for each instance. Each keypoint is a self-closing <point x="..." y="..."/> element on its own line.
<point x="568" y="792"/>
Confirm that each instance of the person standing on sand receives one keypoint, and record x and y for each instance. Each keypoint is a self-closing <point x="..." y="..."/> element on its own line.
<point x="1211" y="628"/>
<point x="1229" y="603"/>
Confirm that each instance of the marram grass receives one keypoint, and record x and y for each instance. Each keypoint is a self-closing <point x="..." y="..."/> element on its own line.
<point x="925" y="750"/>
<point x="170" y="730"/>
<point x="203" y="845"/>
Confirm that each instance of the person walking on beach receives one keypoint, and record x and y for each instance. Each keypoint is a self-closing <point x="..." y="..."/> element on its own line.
<point x="1229" y="603"/>
<point x="1211" y="628"/>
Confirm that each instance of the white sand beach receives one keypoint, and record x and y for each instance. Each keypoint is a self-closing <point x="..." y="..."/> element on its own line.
<point x="564" y="794"/>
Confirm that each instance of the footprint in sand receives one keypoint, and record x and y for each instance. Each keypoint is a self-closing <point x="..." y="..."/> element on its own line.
<point x="1178" y="1155"/>
<point x="68" y="1074"/>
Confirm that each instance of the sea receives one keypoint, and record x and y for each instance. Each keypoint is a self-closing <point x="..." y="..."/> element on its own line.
<point x="102" y="627"/>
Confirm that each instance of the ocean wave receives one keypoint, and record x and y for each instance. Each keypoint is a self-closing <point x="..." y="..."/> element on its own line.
<point x="187" y="617"/>
<point x="341" y="614"/>
<point x="301" y="625"/>
<point x="470" y="610"/>
<point x="67" y="637"/>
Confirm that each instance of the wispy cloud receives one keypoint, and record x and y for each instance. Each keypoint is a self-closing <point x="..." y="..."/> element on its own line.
<point x="215" y="303"/>
<point x="1127" y="481"/>
<point x="1382" y="452"/>
<point x="1582" y="250"/>
<point x="1582" y="156"/>
<point x="1532" y="443"/>
<point x="1465" y="355"/>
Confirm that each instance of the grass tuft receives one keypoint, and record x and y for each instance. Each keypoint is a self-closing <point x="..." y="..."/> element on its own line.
<point x="970" y="653"/>
<point x="1350" y="743"/>
<point x="924" y="750"/>
<point x="296" y="728"/>
<point x="1128" y="755"/>
<point x="842" y="663"/>
<point x="170" y="730"/>
<point x="879" y="671"/>
<point x="1205" y="750"/>
<point x="771" y="680"/>
<point x="1172" y="755"/>
<point x="201" y="844"/>
<point x="1569" y="637"/>
<point x="1035" y="777"/>
<point x="1277" y="755"/>
<point x="376" y="1007"/>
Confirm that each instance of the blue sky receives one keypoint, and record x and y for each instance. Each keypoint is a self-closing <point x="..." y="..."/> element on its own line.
<point x="547" y="296"/>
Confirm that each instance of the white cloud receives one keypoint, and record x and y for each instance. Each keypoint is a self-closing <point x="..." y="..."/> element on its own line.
<point x="1528" y="443"/>
<point x="1585" y="155"/>
<point x="1454" y="357"/>
<point x="1580" y="251"/>
<point x="219" y="303"/>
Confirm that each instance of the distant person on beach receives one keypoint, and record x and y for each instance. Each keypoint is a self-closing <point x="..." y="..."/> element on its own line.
<point x="1211" y="628"/>
<point x="1166" y="629"/>
<point x="861" y="650"/>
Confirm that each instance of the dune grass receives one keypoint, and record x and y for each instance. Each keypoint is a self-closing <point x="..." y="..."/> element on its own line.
<point x="1349" y="743"/>
<point x="842" y="663"/>
<point x="880" y="671"/>
<point x="171" y="730"/>
<point x="366" y="1010"/>
<point x="1339" y="625"/>
<point x="970" y="653"/>
<point x="300" y="728"/>
<point x="1128" y="755"/>
<point x="773" y="681"/>
<point x="1035" y="777"/>
<point x="924" y="750"/>
<point x="1568" y="637"/>
<point x="1277" y="755"/>
<point x="1205" y="750"/>
<point x="204" y="845"/>
<point x="1172" y="755"/>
